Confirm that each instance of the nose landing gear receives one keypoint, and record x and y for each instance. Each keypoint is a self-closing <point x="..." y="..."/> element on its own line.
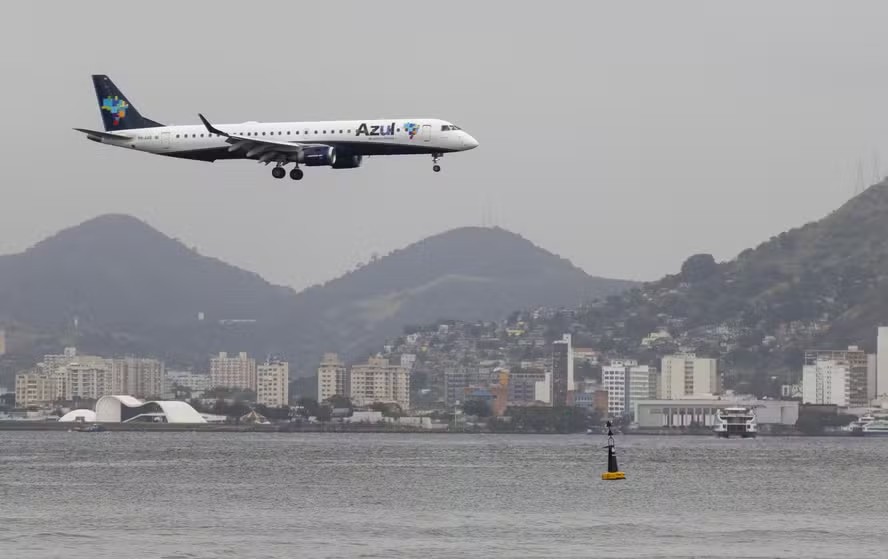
<point x="435" y="167"/>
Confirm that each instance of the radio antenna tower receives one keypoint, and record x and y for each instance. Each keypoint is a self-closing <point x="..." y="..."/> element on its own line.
<point x="858" y="187"/>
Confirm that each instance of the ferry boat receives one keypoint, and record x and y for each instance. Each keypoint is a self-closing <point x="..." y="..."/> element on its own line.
<point x="870" y="425"/>
<point x="878" y="428"/>
<point x="736" y="421"/>
<point x="856" y="426"/>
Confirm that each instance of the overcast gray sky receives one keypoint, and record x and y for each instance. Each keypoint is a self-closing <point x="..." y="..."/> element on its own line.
<point x="623" y="136"/>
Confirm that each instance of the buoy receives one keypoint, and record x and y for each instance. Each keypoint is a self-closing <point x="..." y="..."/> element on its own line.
<point x="613" y="472"/>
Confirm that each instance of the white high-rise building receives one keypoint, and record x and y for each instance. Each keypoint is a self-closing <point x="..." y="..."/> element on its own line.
<point x="562" y="371"/>
<point x="34" y="388"/>
<point x="2" y="342"/>
<point x="273" y="384"/>
<point x="379" y="381"/>
<point x="142" y="378"/>
<point x="686" y="375"/>
<point x="882" y="362"/>
<point x="542" y="389"/>
<point x="332" y="378"/>
<point x="626" y="382"/>
<point x="233" y="372"/>
<point x="827" y="381"/>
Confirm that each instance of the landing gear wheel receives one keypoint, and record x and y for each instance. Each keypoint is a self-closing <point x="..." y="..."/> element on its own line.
<point x="278" y="172"/>
<point x="436" y="168"/>
<point x="296" y="174"/>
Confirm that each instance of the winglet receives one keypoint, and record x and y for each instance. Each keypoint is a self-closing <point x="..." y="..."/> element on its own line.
<point x="210" y="127"/>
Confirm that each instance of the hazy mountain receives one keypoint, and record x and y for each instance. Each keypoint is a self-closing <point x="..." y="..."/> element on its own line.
<point x="133" y="289"/>
<point x="821" y="285"/>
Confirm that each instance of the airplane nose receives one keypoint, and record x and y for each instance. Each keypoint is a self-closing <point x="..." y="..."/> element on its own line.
<point x="469" y="142"/>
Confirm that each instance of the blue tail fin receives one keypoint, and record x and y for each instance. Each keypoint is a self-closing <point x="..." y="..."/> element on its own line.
<point x="117" y="112"/>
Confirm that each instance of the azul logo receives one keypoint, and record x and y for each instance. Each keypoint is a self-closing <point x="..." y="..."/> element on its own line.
<point x="375" y="130"/>
<point x="117" y="108"/>
<point x="412" y="128"/>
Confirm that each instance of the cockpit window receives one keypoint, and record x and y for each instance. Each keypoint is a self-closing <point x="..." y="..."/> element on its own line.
<point x="447" y="127"/>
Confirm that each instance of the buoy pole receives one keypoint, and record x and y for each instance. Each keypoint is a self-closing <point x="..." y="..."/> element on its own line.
<point x="613" y="471"/>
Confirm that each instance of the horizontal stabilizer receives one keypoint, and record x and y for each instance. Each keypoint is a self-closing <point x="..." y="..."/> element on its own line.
<point x="105" y="135"/>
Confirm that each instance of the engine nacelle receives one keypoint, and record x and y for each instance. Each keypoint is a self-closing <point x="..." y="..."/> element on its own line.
<point x="348" y="162"/>
<point x="318" y="156"/>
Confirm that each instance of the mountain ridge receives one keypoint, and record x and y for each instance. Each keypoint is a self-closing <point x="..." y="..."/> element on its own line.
<point x="823" y="284"/>
<point x="133" y="289"/>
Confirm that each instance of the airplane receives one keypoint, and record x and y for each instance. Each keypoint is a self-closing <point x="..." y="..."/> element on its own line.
<point x="339" y="144"/>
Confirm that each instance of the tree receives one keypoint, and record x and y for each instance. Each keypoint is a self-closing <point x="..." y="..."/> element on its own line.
<point x="388" y="409"/>
<point x="477" y="407"/>
<point x="698" y="267"/>
<point x="310" y="406"/>
<point x="337" y="401"/>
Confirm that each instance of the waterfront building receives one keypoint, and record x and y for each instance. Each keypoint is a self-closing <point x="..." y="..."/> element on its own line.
<point x="233" y="372"/>
<point x="333" y="378"/>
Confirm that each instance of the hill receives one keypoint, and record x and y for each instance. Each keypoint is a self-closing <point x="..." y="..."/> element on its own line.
<point x="824" y="284"/>
<point x="134" y="290"/>
<point x="468" y="274"/>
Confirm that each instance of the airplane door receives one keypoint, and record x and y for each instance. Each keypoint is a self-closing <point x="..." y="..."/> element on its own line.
<point x="165" y="140"/>
<point x="426" y="132"/>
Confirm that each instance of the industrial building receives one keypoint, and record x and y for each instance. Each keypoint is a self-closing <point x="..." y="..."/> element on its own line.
<point x="682" y="413"/>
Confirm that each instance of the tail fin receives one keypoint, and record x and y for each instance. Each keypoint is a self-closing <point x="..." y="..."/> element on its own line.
<point x="117" y="112"/>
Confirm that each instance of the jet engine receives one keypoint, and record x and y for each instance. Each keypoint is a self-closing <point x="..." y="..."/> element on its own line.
<point x="348" y="162"/>
<point x="318" y="156"/>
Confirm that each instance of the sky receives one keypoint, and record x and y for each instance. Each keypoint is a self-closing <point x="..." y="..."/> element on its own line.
<point x="624" y="136"/>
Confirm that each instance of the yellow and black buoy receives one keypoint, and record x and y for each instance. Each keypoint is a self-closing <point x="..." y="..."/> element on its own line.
<point x="613" y="472"/>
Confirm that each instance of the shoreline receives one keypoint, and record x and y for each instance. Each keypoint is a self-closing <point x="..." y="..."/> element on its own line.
<point x="339" y="428"/>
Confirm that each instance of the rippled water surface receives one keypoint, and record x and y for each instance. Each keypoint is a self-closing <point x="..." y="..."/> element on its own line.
<point x="232" y="495"/>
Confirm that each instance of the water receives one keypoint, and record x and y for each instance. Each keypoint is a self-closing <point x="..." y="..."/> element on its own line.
<point x="241" y="495"/>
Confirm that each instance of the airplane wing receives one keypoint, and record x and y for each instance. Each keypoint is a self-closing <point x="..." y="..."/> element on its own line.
<point x="268" y="150"/>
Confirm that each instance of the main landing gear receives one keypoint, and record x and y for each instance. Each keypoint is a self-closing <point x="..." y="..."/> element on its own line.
<point x="435" y="167"/>
<point x="279" y="172"/>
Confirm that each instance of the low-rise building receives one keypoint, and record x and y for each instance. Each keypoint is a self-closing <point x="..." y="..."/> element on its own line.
<point x="691" y="412"/>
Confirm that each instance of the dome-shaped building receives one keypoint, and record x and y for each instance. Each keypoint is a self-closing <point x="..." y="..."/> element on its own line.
<point x="126" y="409"/>
<point x="84" y="415"/>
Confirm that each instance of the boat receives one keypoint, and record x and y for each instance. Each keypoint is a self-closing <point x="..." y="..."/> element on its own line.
<point x="736" y="421"/>
<point x="856" y="426"/>
<point x="94" y="428"/>
<point x="869" y="425"/>
<point x="878" y="428"/>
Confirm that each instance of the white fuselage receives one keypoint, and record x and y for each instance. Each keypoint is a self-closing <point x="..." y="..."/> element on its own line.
<point x="355" y="137"/>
